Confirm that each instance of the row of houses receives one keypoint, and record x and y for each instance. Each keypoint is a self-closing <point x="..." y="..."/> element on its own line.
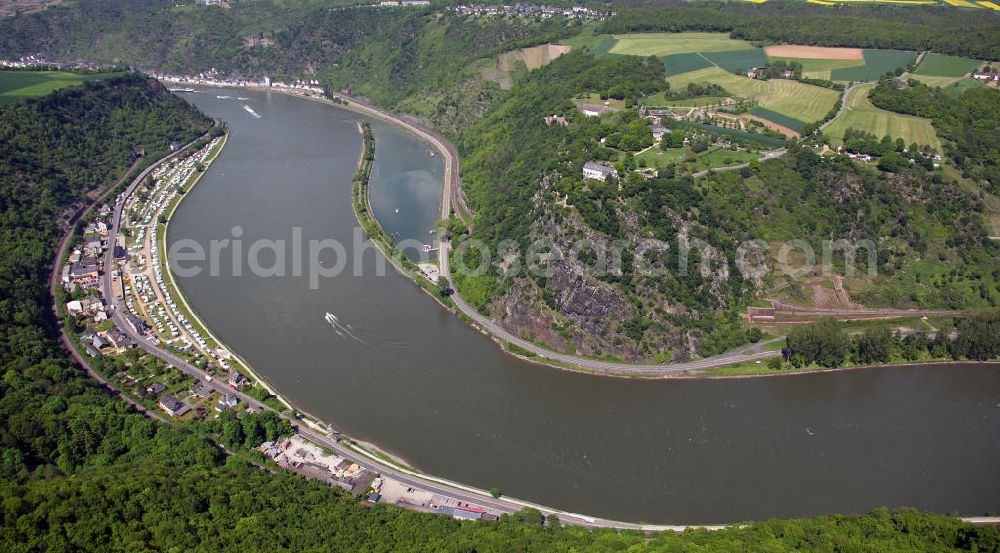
<point x="534" y="10"/>
<point x="403" y="3"/>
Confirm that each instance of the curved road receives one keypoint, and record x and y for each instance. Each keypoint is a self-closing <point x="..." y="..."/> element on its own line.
<point x="451" y="190"/>
<point x="608" y="368"/>
<point x="439" y="486"/>
<point x="456" y="491"/>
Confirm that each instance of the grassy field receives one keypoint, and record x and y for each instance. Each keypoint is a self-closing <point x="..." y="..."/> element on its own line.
<point x="715" y="157"/>
<point x="877" y="63"/>
<point x="862" y="115"/>
<point x="665" y="44"/>
<point x="675" y="64"/>
<point x="15" y="85"/>
<point x="961" y="86"/>
<point x="939" y="65"/>
<point x="595" y="99"/>
<point x="738" y="60"/>
<point x="783" y="120"/>
<point x="797" y="100"/>
<point x="936" y="81"/>
<point x="587" y="38"/>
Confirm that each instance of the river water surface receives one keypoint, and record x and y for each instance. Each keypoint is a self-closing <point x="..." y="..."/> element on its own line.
<point x="421" y="384"/>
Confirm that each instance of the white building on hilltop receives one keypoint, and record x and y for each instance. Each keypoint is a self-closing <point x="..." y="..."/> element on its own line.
<point x="594" y="170"/>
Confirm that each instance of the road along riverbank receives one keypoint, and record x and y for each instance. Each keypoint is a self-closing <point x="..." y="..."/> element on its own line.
<point x="475" y="415"/>
<point x="316" y="432"/>
<point x="511" y="344"/>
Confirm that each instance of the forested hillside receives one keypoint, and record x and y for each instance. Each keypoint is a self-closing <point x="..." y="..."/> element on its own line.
<point x="423" y="64"/>
<point x="295" y="38"/>
<point x="523" y="178"/>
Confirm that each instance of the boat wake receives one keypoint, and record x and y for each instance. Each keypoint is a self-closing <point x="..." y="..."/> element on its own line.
<point x="251" y="111"/>
<point x="342" y="329"/>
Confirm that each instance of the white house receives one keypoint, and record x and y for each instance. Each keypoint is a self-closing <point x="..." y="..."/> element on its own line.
<point x="593" y="170"/>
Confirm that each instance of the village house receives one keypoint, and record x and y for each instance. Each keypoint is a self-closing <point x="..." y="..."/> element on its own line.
<point x="138" y="325"/>
<point x="201" y="390"/>
<point x="84" y="272"/>
<point x="659" y="131"/>
<point x="594" y="170"/>
<point x="173" y="406"/>
<point x="92" y="246"/>
<point x="118" y="339"/>
<point x="987" y="75"/>
<point x="227" y="402"/>
<point x="237" y="380"/>
<point x="156" y="389"/>
<point x="550" y="119"/>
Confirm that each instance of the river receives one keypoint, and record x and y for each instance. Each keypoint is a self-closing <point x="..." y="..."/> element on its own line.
<point x="421" y="384"/>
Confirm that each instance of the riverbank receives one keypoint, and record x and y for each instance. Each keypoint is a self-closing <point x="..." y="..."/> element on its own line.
<point x="758" y="372"/>
<point x="510" y="344"/>
<point x="365" y="216"/>
<point x="423" y="373"/>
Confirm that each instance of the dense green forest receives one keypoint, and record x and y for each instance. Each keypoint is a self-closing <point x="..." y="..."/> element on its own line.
<point x="827" y="344"/>
<point x="81" y="472"/>
<point x="940" y="28"/>
<point x="968" y="121"/>
<point x="299" y="35"/>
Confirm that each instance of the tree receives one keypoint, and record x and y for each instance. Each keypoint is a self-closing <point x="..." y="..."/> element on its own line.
<point x="892" y="162"/>
<point x="823" y="343"/>
<point x="874" y="346"/>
